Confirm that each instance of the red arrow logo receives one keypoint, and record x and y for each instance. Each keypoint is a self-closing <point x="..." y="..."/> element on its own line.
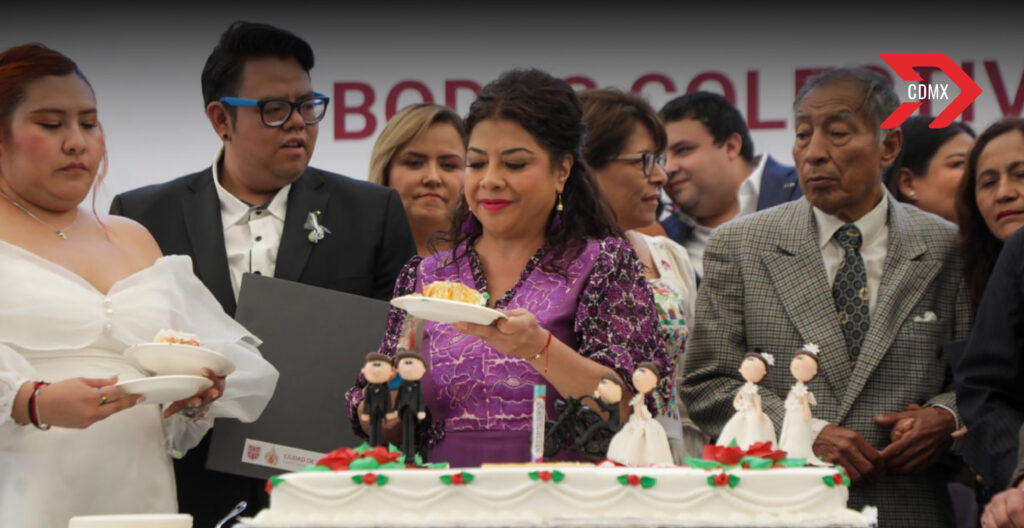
<point x="904" y="63"/>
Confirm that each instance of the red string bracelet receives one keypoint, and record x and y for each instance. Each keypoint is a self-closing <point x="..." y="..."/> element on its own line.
<point x="544" y="352"/>
<point x="33" y="406"/>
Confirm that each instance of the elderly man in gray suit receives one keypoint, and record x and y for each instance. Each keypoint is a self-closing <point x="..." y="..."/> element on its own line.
<point x="875" y="283"/>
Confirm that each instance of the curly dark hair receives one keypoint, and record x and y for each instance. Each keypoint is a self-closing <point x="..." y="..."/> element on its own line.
<point x="978" y="245"/>
<point x="550" y="111"/>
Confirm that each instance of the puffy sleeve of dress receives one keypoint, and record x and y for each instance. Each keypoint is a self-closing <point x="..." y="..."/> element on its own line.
<point x="14" y="372"/>
<point x="247" y="390"/>
<point x="616" y="320"/>
<point x="404" y="285"/>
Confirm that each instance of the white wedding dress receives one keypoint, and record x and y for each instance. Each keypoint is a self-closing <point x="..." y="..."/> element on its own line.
<point x="747" y="426"/>
<point x="642" y="440"/>
<point x="55" y="325"/>
<point x="796" y="438"/>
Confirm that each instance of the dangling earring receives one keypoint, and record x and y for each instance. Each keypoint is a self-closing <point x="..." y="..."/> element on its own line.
<point x="471" y="226"/>
<point x="556" y="222"/>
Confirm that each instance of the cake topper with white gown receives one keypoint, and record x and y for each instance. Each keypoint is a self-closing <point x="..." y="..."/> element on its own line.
<point x="750" y="424"/>
<point x="642" y="440"/>
<point x="796" y="439"/>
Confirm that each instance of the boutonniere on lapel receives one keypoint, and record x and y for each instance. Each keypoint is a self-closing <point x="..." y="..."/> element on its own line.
<point x="317" y="232"/>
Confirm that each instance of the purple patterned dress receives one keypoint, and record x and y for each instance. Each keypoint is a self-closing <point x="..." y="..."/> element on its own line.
<point x="480" y="400"/>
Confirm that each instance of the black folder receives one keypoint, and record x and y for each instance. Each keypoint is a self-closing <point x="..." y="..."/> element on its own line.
<point x="318" y="340"/>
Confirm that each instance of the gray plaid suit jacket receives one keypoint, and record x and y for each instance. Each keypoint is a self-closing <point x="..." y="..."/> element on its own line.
<point x="765" y="287"/>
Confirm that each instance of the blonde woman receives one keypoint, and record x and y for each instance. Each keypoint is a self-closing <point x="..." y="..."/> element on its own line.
<point x="421" y="153"/>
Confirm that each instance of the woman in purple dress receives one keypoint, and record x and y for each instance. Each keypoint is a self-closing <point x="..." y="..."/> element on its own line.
<point x="532" y="232"/>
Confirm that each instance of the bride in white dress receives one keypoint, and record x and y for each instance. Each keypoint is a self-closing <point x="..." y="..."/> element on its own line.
<point x="796" y="438"/>
<point x="78" y="288"/>
<point x="749" y="424"/>
<point x="642" y="440"/>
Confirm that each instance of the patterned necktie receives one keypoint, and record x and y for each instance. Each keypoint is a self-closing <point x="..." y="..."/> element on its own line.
<point x="850" y="290"/>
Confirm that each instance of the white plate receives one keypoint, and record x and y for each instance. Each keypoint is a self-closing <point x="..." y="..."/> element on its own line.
<point x="165" y="389"/>
<point x="445" y="311"/>
<point x="169" y="358"/>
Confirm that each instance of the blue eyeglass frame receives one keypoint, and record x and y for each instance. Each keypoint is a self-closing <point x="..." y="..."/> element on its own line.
<point x="242" y="101"/>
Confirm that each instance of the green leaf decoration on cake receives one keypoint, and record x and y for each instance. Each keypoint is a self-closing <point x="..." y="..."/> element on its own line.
<point x="369" y="479"/>
<point x="364" y="463"/>
<point x="314" y="467"/>
<point x="756" y="462"/>
<point x="723" y="479"/>
<point x="417" y="459"/>
<point x="272" y="483"/>
<point x="547" y="476"/>
<point x="792" y="462"/>
<point x="700" y="463"/>
<point x="839" y="478"/>
<point x="636" y="480"/>
<point x="393" y="449"/>
<point x="363" y="447"/>
<point x="457" y="479"/>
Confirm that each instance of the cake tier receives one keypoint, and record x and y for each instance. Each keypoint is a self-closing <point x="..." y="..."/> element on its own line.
<point x="561" y="496"/>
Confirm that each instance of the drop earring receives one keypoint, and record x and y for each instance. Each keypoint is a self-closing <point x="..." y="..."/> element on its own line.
<point x="556" y="222"/>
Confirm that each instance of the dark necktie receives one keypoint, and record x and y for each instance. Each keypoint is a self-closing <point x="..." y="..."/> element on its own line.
<point x="850" y="290"/>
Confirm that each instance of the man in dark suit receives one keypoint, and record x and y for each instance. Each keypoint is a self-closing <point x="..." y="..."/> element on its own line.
<point x="990" y="374"/>
<point x="261" y="209"/>
<point x="409" y="405"/>
<point x="876" y="284"/>
<point x="713" y="174"/>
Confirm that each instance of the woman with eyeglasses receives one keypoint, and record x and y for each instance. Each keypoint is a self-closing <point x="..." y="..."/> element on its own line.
<point x="532" y="231"/>
<point x="624" y="149"/>
<point x="79" y="288"/>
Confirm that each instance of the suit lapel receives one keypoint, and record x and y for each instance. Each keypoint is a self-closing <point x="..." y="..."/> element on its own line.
<point x="798" y="273"/>
<point x="306" y="195"/>
<point x="774" y="187"/>
<point x="904" y="273"/>
<point x="206" y="234"/>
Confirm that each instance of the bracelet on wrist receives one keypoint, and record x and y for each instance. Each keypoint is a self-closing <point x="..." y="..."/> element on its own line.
<point x="544" y="352"/>
<point x="33" y="406"/>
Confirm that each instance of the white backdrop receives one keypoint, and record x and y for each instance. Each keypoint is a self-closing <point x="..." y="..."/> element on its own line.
<point x="145" y="65"/>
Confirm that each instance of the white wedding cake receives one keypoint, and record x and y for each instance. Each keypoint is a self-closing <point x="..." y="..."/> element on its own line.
<point x="554" y="495"/>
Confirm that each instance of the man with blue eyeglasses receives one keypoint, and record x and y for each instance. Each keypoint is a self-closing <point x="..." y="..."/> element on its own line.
<point x="259" y="208"/>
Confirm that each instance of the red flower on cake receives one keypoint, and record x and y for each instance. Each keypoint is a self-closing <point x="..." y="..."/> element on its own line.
<point x="369" y="479"/>
<point x="458" y="479"/>
<point x="338" y="459"/>
<point x="837" y="479"/>
<point x="633" y="480"/>
<point x="726" y="455"/>
<point x="721" y="479"/>
<point x="764" y="450"/>
<point x="545" y="476"/>
<point x="382" y="455"/>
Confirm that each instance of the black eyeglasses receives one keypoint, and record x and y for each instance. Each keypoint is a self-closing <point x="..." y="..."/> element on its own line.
<point x="276" y="112"/>
<point x="647" y="159"/>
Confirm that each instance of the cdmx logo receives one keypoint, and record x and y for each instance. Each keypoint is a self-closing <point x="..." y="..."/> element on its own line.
<point x="904" y="63"/>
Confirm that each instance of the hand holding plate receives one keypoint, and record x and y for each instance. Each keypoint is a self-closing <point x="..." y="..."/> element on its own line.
<point x="200" y="400"/>
<point x="517" y="335"/>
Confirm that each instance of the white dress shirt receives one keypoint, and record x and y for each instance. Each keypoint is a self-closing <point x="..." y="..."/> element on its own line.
<point x="747" y="196"/>
<point x="874" y="231"/>
<point x="695" y="246"/>
<point x="252" y="233"/>
<point x="750" y="189"/>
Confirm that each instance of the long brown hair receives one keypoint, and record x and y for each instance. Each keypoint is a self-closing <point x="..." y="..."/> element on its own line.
<point x="978" y="245"/>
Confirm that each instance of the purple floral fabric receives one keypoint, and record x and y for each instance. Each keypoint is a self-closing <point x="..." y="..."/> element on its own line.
<point x="602" y="307"/>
